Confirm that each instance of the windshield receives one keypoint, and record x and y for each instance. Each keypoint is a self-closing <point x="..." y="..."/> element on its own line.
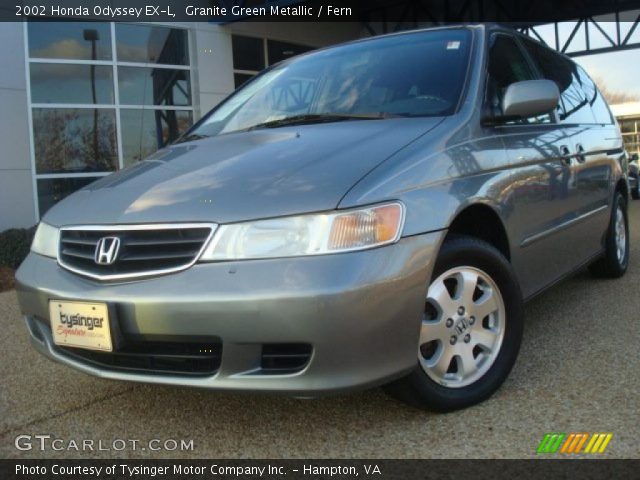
<point x="409" y="75"/>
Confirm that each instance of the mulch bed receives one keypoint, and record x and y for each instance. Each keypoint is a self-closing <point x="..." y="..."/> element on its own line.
<point x="7" y="281"/>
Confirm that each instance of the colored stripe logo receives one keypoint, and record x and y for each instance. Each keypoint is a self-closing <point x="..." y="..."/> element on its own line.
<point x="573" y="443"/>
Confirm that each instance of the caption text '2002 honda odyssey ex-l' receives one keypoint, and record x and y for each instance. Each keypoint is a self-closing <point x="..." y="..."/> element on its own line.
<point x="372" y="213"/>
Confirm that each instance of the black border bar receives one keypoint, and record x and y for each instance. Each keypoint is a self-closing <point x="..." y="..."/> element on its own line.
<point x="524" y="12"/>
<point x="131" y="469"/>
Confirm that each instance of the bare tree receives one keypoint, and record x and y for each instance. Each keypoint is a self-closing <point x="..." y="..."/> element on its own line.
<point x="65" y="140"/>
<point x="614" y="97"/>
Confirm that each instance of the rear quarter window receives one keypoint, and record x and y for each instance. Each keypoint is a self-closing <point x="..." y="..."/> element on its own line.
<point x="580" y="100"/>
<point x="598" y="104"/>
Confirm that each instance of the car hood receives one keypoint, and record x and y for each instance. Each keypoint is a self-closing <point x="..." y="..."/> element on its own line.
<point x="242" y="176"/>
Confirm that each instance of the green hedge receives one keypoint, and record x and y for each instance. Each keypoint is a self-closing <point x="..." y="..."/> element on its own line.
<point x="14" y="246"/>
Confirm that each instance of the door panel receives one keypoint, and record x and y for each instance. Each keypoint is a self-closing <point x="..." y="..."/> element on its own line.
<point x="543" y="182"/>
<point x="582" y="219"/>
<point x="593" y="175"/>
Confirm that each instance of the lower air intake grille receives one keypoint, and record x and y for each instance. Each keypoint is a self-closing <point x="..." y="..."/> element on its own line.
<point x="152" y="357"/>
<point x="284" y="358"/>
<point x="117" y="252"/>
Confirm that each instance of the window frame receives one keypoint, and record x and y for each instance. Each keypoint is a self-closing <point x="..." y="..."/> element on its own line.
<point x="116" y="106"/>
<point x="533" y="66"/>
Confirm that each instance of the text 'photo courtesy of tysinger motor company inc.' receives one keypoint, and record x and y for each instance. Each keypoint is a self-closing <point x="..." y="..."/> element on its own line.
<point x="312" y="239"/>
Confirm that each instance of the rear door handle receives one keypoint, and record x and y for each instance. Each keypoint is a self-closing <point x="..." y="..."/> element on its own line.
<point x="580" y="156"/>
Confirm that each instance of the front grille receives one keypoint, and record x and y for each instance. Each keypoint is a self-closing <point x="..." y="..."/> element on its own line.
<point x="144" y="249"/>
<point x="193" y="358"/>
<point x="284" y="358"/>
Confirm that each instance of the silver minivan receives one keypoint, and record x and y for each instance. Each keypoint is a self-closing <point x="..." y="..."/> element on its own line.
<point x="374" y="213"/>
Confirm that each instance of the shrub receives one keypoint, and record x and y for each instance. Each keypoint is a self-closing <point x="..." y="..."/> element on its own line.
<point x="14" y="246"/>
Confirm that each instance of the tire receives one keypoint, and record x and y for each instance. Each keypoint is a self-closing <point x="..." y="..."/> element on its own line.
<point x="635" y="192"/>
<point x="460" y="259"/>
<point x="614" y="263"/>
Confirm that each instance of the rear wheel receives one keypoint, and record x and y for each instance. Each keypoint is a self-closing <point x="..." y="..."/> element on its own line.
<point x="615" y="260"/>
<point x="471" y="329"/>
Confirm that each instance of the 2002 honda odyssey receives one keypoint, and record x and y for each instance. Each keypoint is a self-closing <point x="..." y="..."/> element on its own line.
<point x="372" y="213"/>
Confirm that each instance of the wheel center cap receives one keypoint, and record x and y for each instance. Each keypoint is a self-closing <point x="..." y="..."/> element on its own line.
<point x="461" y="326"/>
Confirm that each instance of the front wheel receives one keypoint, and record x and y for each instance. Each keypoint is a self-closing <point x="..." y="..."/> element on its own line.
<point x="470" y="332"/>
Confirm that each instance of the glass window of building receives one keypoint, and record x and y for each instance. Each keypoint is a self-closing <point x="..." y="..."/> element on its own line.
<point x="152" y="44"/>
<point x="252" y="55"/>
<point x="103" y="96"/>
<point x="143" y="130"/>
<point x="630" y="128"/>
<point x="279" y="51"/>
<point x="154" y="86"/>
<point x="70" y="40"/>
<point x="69" y="83"/>
<point x="74" y="140"/>
<point x="248" y="53"/>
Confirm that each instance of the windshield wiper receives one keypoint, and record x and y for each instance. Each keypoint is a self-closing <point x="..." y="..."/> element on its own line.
<point x="319" y="118"/>
<point x="191" y="137"/>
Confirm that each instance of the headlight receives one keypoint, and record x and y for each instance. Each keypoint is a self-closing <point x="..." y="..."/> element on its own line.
<point x="314" y="234"/>
<point x="45" y="241"/>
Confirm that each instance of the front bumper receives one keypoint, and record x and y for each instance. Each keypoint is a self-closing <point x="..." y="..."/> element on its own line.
<point x="359" y="311"/>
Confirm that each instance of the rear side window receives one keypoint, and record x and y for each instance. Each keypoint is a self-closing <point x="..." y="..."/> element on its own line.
<point x="598" y="104"/>
<point x="507" y="65"/>
<point x="574" y="107"/>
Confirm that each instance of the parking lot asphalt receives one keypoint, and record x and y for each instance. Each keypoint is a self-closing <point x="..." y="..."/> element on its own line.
<point x="578" y="371"/>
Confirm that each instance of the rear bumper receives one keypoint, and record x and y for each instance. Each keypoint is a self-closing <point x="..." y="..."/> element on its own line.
<point x="359" y="311"/>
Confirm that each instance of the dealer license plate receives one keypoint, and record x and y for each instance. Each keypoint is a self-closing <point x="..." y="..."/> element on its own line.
<point x="80" y="324"/>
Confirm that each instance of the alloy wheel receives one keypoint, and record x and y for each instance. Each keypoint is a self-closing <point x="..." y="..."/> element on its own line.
<point x="462" y="328"/>
<point x="621" y="235"/>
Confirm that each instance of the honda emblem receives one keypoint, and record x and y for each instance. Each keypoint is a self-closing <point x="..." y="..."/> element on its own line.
<point x="107" y="250"/>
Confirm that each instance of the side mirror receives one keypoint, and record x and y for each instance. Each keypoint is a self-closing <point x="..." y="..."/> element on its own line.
<point x="634" y="158"/>
<point x="528" y="99"/>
